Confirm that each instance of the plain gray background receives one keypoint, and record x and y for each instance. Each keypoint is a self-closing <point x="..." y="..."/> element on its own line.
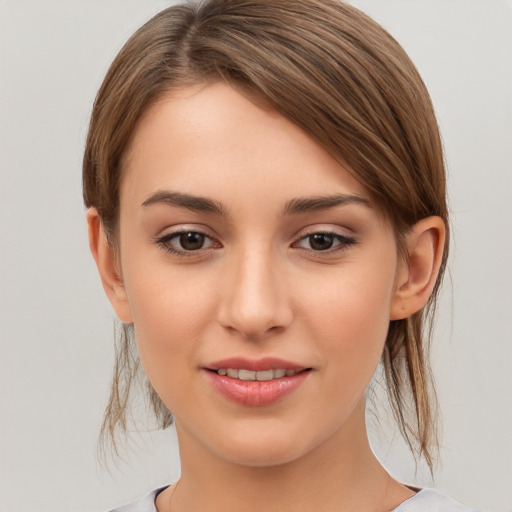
<point x="56" y="326"/>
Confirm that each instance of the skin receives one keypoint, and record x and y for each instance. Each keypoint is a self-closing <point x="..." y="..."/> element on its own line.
<point x="257" y="288"/>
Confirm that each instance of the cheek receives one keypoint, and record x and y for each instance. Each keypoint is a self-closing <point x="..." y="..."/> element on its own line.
<point x="170" y="315"/>
<point x="351" y="315"/>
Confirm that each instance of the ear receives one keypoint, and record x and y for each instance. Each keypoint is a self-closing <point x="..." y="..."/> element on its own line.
<point x="418" y="274"/>
<point x="108" y="267"/>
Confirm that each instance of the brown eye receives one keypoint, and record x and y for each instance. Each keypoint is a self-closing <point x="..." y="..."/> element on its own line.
<point x="185" y="242"/>
<point x="192" y="241"/>
<point x="325" y="241"/>
<point x="321" y="241"/>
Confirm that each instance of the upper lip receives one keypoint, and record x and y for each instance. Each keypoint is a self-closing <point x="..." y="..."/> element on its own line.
<point x="255" y="365"/>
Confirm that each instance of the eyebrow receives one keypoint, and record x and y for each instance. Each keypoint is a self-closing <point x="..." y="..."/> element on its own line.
<point x="194" y="203"/>
<point x="294" y="206"/>
<point x="318" y="203"/>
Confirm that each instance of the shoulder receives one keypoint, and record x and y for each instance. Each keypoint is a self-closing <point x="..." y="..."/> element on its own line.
<point x="429" y="500"/>
<point x="144" y="504"/>
<point x="426" y="500"/>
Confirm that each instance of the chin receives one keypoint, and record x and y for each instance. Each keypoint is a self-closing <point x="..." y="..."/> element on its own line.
<point x="262" y="449"/>
<point x="260" y="457"/>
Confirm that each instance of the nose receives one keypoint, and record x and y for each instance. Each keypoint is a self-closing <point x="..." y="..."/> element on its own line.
<point x="255" y="301"/>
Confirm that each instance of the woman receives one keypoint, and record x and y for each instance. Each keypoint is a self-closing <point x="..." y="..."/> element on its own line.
<point x="267" y="211"/>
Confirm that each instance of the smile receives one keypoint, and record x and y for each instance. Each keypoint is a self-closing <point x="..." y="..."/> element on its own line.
<point x="256" y="388"/>
<point x="250" y="375"/>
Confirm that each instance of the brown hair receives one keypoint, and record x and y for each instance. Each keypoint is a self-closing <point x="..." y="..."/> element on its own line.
<point x="340" y="77"/>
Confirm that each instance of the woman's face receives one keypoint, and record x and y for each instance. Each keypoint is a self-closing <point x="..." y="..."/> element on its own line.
<point x="258" y="275"/>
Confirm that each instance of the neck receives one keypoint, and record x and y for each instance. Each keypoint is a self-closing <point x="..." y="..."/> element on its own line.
<point x="341" y="474"/>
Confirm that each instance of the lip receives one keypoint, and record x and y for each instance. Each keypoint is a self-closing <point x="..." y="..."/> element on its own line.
<point x="256" y="393"/>
<point x="255" y="365"/>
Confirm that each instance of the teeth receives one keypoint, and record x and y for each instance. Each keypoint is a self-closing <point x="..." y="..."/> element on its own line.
<point x="246" y="375"/>
<point x="250" y="375"/>
<point x="266" y="375"/>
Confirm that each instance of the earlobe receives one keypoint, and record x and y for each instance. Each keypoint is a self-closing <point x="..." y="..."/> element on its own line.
<point x="417" y="276"/>
<point x="107" y="264"/>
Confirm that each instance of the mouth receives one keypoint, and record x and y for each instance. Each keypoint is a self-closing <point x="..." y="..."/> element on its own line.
<point x="262" y="375"/>
<point x="256" y="383"/>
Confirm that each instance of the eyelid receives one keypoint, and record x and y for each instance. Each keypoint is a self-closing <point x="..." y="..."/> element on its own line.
<point x="345" y="240"/>
<point x="331" y="229"/>
<point x="163" y="240"/>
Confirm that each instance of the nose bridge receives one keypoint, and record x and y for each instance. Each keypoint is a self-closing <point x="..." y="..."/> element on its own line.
<point x="255" y="299"/>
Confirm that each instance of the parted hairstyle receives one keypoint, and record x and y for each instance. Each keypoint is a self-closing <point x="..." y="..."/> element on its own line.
<point x="348" y="84"/>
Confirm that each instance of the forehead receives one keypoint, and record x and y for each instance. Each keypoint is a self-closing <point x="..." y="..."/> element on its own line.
<point x="210" y="139"/>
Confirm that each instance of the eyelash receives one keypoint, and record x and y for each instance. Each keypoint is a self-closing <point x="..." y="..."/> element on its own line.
<point x="343" y="243"/>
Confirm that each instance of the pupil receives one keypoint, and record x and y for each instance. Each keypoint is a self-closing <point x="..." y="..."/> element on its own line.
<point x="321" y="241"/>
<point x="191" y="241"/>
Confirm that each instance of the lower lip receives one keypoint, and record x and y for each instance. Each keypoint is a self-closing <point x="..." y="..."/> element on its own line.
<point x="256" y="393"/>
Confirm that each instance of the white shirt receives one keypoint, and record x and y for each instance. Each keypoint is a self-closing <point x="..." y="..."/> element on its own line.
<point x="425" y="500"/>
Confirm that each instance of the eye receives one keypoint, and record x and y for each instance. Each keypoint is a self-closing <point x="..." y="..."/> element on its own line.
<point x="325" y="241"/>
<point x="184" y="242"/>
